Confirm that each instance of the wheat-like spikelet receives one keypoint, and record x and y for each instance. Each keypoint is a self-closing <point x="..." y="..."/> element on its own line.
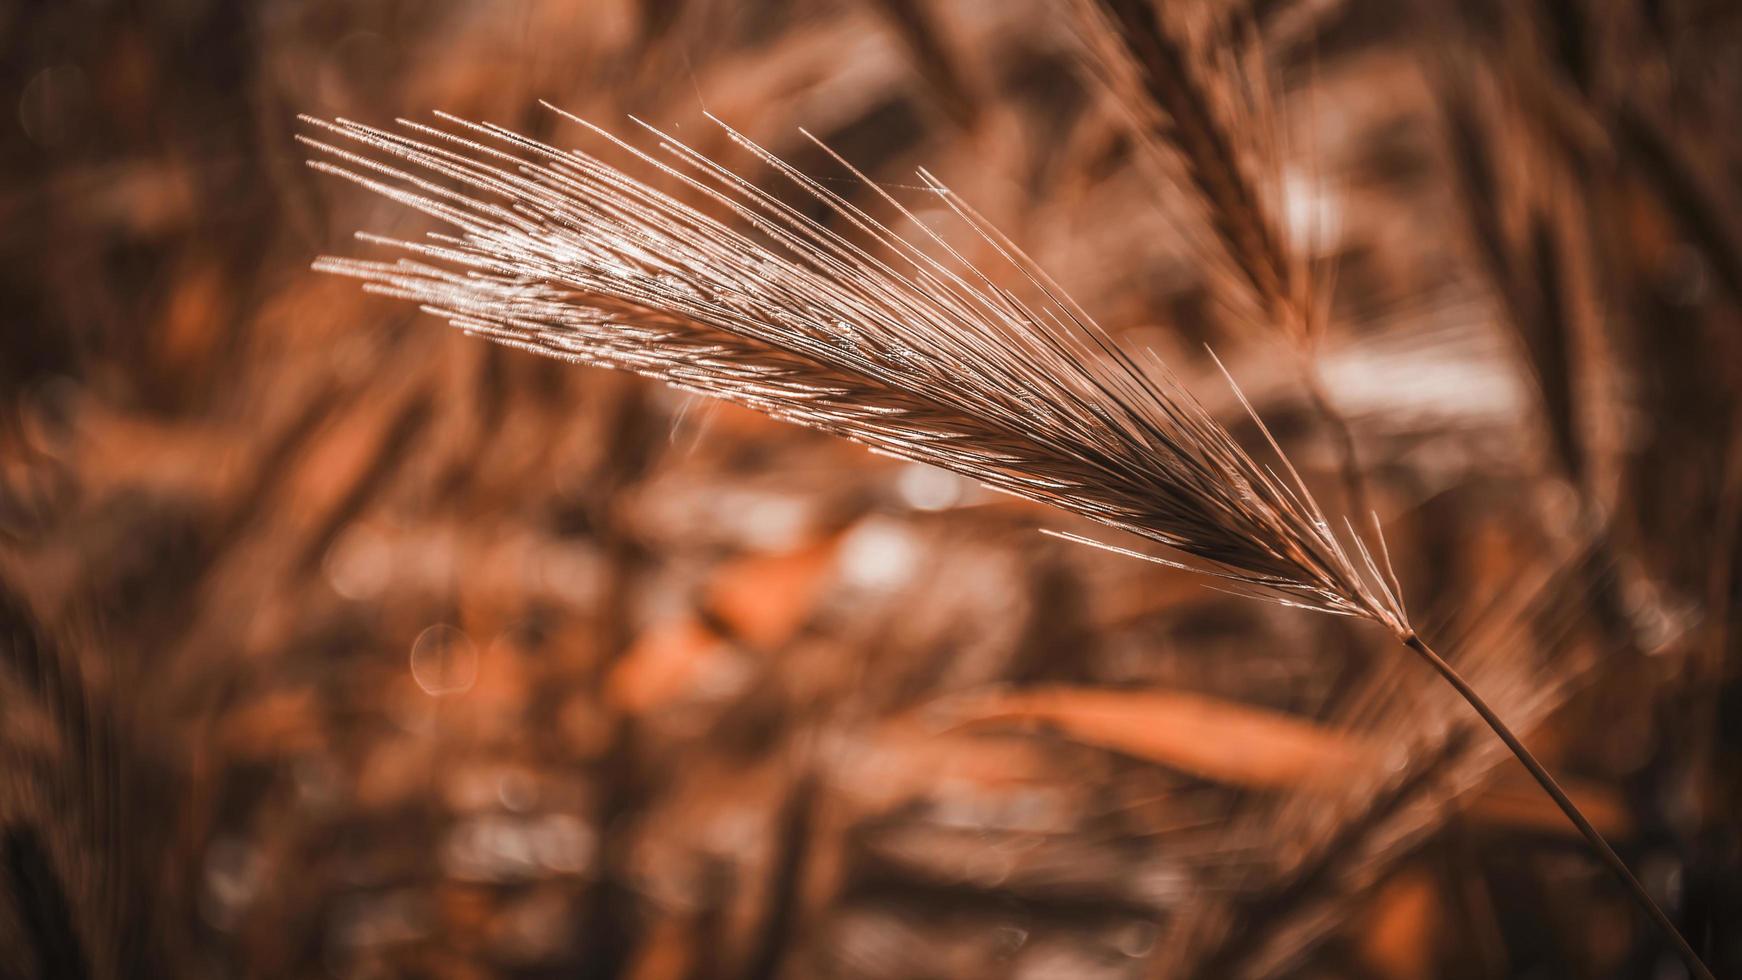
<point x="1203" y="112"/>
<point x="557" y="252"/>
<point x="1186" y="104"/>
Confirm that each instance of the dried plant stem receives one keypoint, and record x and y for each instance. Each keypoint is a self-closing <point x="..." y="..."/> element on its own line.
<point x="1568" y="807"/>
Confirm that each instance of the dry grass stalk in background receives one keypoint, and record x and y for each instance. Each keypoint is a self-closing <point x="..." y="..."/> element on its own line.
<point x="1187" y="106"/>
<point x="559" y="253"/>
<point x="1200" y="103"/>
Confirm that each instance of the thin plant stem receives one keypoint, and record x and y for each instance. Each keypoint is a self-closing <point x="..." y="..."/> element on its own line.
<point x="1568" y="807"/>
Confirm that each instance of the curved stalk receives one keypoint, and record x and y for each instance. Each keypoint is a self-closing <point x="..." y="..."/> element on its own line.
<point x="1568" y="807"/>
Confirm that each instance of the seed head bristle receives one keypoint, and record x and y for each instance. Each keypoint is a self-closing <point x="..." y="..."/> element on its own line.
<point x="917" y="356"/>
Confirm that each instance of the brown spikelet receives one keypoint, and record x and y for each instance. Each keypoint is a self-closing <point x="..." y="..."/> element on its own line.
<point x="558" y="253"/>
<point x="1204" y="108"/>
<point x="1178" y="101"/>
<point x="1522" y="257"/>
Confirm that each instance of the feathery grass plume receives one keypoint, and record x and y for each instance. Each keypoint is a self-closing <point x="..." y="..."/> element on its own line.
<point x="559" y="253"/>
